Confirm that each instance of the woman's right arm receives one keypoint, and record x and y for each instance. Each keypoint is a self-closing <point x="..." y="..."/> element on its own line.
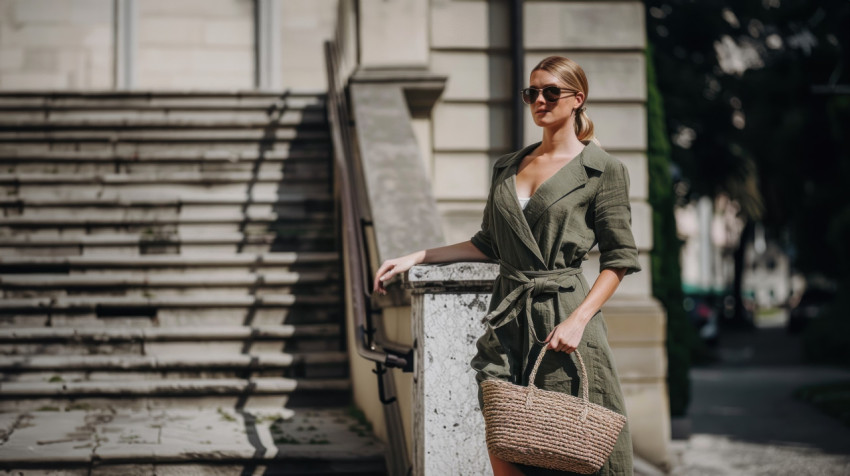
<point x="463" y="251"/>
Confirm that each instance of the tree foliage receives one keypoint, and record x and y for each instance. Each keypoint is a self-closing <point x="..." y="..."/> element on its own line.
<point x="739" y="81"/>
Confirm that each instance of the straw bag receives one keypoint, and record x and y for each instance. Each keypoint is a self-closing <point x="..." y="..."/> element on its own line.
<point x="554" y="430"/>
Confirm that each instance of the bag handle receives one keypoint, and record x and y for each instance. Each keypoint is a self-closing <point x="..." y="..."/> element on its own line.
<point x="582" y="383"/>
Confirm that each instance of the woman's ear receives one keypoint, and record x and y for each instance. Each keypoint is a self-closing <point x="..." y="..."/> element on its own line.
<point x="579" y="99"/>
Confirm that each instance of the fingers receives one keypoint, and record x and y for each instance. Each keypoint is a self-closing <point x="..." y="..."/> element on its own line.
<point x="559" y="343"/>
<point x="381" y="276"/>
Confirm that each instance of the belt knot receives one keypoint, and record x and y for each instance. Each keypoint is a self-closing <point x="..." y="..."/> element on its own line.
<point x="531" y="284"/>
<point x="543" y="284"/>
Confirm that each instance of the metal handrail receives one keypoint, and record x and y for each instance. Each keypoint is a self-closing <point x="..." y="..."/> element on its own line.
<point x="352" y="229"/>
<point x="352" y="219"/>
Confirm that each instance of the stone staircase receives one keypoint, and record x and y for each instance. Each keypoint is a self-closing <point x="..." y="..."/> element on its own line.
<point x="171" y="290"/>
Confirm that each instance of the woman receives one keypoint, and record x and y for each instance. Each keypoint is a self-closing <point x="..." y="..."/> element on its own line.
<point x="549" y="204"/>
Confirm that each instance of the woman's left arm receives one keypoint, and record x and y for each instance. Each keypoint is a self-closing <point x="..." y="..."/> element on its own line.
<point x="566" y="336"/>
<point x="612" y="224"/>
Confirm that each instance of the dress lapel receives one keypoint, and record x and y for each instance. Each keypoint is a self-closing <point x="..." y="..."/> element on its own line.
<point x="507" y="204"/>
<point x="566" y="180"/>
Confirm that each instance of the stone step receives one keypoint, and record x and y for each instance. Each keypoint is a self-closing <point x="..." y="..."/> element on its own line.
<point x="230" y="146"/>
<point x="124" y="200"/>
<point x="185" y="173"/>
<point x="90" y="335"/>
<point x="155" y="387"/>
<point x="168" y="341"/>
<point x="19" y="364"/>
<point x="216" y="441"/>
<point x="280" y="154"/>
<point x="103" y="304"/>
<point x="206" y="138"/>
<point x="158" y="107"/>
<point x="135" y="245"/>
<point x="234" y="393"/>
<point x="163" y="285"/>
<point x="114" y="317"/>
<point x="20" y="119"/>
<point x="284" y="230"/>
<point x="162" y="106"/>
<point x="124" y="98"/>
<point x="153" y="218"/>
<point x="211" y="260"/>
<point x="312" y="171"/>
<point x="308" y="194"/>
<point x="187" y="280"/>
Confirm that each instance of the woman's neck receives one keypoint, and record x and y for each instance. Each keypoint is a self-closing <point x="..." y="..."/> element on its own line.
<point x="561" y="141"/>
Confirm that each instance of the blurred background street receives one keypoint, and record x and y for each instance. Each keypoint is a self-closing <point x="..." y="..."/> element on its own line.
<point x="745" y="418"/>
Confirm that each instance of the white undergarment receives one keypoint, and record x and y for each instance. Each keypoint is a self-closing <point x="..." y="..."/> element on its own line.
<point x="523" y="201"/>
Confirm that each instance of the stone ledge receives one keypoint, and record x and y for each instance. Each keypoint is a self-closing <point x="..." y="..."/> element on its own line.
<point x="467" y="277"/>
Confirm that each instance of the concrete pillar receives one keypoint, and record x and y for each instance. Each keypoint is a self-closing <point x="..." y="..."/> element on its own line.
<point x="447" y="303"/>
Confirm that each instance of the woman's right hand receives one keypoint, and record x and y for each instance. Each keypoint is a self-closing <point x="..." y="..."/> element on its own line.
<point x="392" y="267"/>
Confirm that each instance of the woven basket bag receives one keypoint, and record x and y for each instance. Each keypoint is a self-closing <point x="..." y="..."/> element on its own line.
<point x="554" y="430"/>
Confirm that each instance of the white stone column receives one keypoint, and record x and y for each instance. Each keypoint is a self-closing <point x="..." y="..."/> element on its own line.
<point x="267" y="23"/>
<point x="126" y="15"/>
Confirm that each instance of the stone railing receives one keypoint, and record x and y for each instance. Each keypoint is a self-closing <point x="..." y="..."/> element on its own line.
<point x="448" y="302"/>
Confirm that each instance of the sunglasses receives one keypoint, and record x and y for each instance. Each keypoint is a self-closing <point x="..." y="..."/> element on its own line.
<point x="550" y="94"/>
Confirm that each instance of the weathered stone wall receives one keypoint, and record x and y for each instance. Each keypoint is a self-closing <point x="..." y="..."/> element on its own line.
<point x="46" y="44"/>
<point x="471" y="123"/>
<point x="195" y="44"/>
<point x="304" y="27"/>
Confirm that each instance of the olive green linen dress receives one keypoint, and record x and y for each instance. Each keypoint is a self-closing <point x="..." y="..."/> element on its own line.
<point x="540" y="249"/>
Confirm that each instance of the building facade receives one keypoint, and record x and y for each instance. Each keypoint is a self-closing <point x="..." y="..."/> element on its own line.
<point x="237" y="45"/>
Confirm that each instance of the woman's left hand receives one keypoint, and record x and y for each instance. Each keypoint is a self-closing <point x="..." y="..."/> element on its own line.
<point x="566" y="336"/>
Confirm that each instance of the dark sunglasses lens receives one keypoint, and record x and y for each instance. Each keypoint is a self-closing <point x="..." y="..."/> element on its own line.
<point x="529" y="95"/>
<point x="551" y="93"/>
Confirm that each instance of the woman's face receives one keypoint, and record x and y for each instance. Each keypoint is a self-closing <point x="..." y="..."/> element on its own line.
<point x="549" y="114"/>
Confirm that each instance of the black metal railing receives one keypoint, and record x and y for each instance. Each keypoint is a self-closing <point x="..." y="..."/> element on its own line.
<point x="353" y="222"/>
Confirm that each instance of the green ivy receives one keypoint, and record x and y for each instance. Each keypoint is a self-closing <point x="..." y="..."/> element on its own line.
<point x="666" y="270"/>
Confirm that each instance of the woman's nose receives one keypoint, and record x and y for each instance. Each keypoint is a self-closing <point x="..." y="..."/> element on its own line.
<point x="540" y="99"/>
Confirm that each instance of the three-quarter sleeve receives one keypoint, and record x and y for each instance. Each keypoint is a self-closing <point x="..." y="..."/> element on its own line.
<point x="483" y="239"/>
<point x="613" y="220"/>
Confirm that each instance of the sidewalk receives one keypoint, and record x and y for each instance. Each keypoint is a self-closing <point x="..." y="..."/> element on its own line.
<point x="745" y="421"/>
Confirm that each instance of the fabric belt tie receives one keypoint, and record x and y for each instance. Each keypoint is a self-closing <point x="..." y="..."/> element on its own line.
<point x="533" y="284"/>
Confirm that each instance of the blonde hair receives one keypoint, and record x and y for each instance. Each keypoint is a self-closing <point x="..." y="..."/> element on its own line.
<point x="571" y="74"/>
